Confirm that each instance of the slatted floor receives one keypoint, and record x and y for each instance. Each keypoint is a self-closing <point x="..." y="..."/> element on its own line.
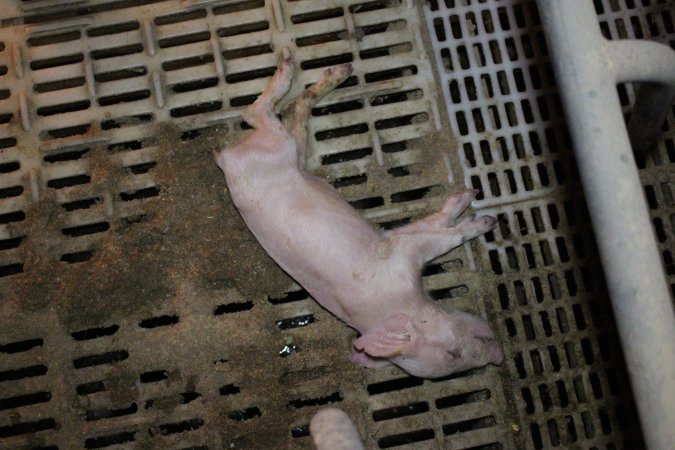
<point x="136" y="309"/>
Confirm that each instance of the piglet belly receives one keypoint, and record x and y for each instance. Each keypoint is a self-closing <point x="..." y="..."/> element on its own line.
<point x="316" y="237"/>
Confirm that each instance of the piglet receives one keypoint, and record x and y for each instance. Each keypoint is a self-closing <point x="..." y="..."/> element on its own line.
<point x="332" y="429"/>
<point x="368" y="278"/>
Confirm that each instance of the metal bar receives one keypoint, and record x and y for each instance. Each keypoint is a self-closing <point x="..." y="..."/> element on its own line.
<point x="654" y="65"/>
<point x="587" y="72"/>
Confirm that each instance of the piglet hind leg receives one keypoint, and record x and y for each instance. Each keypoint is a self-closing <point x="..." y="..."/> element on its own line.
<point x="302" y="108"/>
<point x="260" y="115"/>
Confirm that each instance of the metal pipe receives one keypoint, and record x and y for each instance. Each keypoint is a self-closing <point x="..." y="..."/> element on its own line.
<point x="587" y="70"/>
<point x="654" y="65"/>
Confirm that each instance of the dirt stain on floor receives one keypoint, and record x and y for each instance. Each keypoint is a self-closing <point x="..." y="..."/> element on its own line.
<point x="190" y="231"/>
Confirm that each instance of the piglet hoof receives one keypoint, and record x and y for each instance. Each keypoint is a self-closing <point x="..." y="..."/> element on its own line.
<point x="472" y="227"/>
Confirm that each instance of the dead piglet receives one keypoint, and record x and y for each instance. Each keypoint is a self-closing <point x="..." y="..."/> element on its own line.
<point x="368" y="278"/>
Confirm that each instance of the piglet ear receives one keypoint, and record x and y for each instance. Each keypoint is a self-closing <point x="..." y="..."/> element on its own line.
<point x="389" y="338"/>
<point x="220" y="160"/>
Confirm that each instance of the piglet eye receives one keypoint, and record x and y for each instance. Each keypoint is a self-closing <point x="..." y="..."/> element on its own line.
<point x="484" y="339"/>
<point x="455" y="354"/>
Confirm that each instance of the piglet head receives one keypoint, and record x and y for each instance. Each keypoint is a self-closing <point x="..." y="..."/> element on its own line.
<point x="433" y="343"/>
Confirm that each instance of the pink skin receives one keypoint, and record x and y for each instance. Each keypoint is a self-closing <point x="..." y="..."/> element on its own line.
<point x="332" y="429"/>
<point x="368" y="278"/>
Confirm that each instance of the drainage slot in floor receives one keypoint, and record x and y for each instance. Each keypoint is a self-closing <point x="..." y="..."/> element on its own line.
<point x="385" y="51"/>
<point x="447" y="293"/>
<point x="349" y="181"/>
<point x="302" y="403"/>
<point x="64" y="132"/>
<point x="105" y="413"/>
<point x="180" y="17"/>
<point x="90" y="388"/>
<point x="21" y="346"/>
<point x="181" y="427"/>
<point x="327" y="61"/>
<point x="400" y="411"/>
<point x="58" y="85"/>
<point x="396" y="97"/>
<point x="289" y="297"/>
<point x="244" y="28"/>
<point x="341" y="132"/>
<point x="229" y="389"/>
<point x="317" y="15"/>
<point x="401" y="121"/>
<point x="411" y="195"/>
<point x="295" y="322"/>
<point x="233" y="307"/>
<point x="184" y="39"/>
<point x="139" y="169"/>
<point x="100" y="359"/>
<point x="195" y="85"/>
<point x="11" y="166"/>
<point x="154" y="376"/>
<point x="399" y="171"/>
<point x="250" y="75"/>
<point x="94" y="333"/>
<point x="468" y="425"/>
<point x="70" y="155"/>
<point x="127" y="97"/>
<point x="83" y="230"/>
<point x="184" y="63"/>
<point x="16" y="216"/>
<point x="159" y="321"/>
<point x="321" y="38"/>
<point x="37" y="41"/>
<point x="247" y="52"/>
<point x="9" y="192"/>
<point x="394" y="385"/>
<point x="7" y="142"/>
<point x="337" y="108"/>
<point x="393" y="224"/>
<point x="199" y="108"/>
<point x="122" y="74"/>
<point x="24" y="372"/>
<point x="47" y="63"/>
<point x="77" y="257"/>
<point x="27" y="428"/>
<point x="63" y="108"/>
<point x="301" y="431"/>
<point x="60" y="183"/>
<point x="390" y="74"/>
<point x="116" y="28"/>
<point x="350" y="155"/>
<point x="140" y="194"/>
<point x="244" y="414"/>
<point x="128" y="145"/>
<point x="126" y="121"/>
<point x="463" y="399"/>
<point x="116" y="51"/>
<point x="406" y="438"/>
<point x="80" y="204"/>
<point x="25" y="400"/>
<point x="109" y="440"/>
<point x="244" y="100"/>
<point x="367" y="203"/>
